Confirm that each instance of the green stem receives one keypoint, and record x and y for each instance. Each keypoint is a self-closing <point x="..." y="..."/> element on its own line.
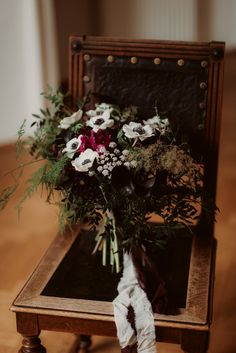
<point x="104" y="252"/>
<point x="114" y="244"/>
<point x="20" y="166"/>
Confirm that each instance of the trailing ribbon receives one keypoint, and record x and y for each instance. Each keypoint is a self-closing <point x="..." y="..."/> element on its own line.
<point x="140" y="336"/>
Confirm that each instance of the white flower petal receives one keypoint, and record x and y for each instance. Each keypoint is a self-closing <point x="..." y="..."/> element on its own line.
<point x="101" y="121"/>
<point x="85" y="160"/>
<point x="137" y="130"/>
<point x="69" y="120"/>
<point x="72" y="146"/>
<point x="100" y="108"/>
<point x="157" y="123"/>
<point x="91" y="113"/>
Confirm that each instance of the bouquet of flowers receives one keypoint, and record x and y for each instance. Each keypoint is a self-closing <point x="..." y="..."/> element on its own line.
<point x="113" y="172"/>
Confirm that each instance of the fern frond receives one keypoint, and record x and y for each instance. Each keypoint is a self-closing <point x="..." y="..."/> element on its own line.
<point x="53" y="173"/>
<point x="6" y="194"/>
<point x="19" y="143"/>
<point x="34" y="183"/>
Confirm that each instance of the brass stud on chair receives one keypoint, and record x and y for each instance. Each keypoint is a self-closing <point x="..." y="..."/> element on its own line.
<point x="157" y="61"/>
<point x="200" y="127"/>
<point x="134" y="60"/>
<point x="110" y="58"/>
<point x="180" y="62"/>
<point x="203" y="85"/>
<point x="86" y="78"/>
<point x="87" y="57"/>
<point x="204" y="63"/>
<point x="202" y="105"/>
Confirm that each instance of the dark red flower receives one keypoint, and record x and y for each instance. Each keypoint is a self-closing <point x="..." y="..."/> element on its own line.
<point x="94" y="140"/>
<point x="99" y="140"/>
<point x="84" y="143"/>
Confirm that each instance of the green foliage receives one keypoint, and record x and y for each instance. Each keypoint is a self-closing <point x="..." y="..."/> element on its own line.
<point x="34" y="182"/>
<point x="53" y="172"/>
<point x="76" y="128"/>
<point x="6" y="195"/>
<point x="19" y="142"/>
<point x="56" y="98"/>
<point x="122" y="140"/>
<point x="67" y="214"/>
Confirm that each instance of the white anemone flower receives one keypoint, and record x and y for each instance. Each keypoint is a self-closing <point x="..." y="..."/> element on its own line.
<point x="85" y="160"/>
<point x="72" y="146"/>
<point x="100" y="108"/>
<point x="101" y="121"/>
<point x="69" y="120"/>
<point x="157" y="123"/>
<point x="137" y="131"/>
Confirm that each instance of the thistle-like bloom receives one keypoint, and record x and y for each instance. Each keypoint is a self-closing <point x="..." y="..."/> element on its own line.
<point x="69" y="120"/>
<point x="85" y="160"/>
<point x="72" y="146"/>
<point x="157" y="123"/>
<point x="137" y="131"/>
<point x="102" y="121"/>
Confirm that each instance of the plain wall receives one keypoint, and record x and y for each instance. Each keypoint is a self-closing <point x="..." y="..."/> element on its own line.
<point x="25" y="64"/>
<point x="34" y="40"/>
<point x="20" y="65"/>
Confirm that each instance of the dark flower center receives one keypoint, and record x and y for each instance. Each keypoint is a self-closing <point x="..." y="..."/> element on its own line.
<point x="140" y="130"/>
<point x="74" y="145"/>
<point x="99" y="121"/>
<point x="86" y="161"/>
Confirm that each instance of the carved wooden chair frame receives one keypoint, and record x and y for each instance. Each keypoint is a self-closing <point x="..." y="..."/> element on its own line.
<point x="96" y="65"/>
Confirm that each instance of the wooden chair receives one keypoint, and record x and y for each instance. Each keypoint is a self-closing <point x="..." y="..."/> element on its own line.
<point x="71" y="292"/>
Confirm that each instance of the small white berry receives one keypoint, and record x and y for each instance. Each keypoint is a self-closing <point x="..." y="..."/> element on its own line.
<point x="112" y="144"/>
<point x="125" y="152"/>
<point x="133" y="163"/>
<point x="105" y="172"/>
<point x="102" y="149"/>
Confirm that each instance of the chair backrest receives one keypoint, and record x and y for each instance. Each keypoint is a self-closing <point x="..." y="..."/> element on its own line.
<point x="184" y="80"/>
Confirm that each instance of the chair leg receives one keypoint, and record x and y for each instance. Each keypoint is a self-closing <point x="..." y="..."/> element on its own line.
<point x="32" y="344"/>
<point x="84" y="344"/>
<point x="194" y="341"/>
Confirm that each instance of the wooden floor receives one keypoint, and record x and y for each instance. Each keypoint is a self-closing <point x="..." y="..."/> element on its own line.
<point x="23" y="243"/>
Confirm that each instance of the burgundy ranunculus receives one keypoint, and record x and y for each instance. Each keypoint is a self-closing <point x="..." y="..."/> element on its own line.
<point x="84" y="143"/>
<point x="99" y="140"/>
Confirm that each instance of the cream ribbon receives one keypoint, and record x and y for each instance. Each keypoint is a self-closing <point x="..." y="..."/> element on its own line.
<point x="131" y="294"/>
